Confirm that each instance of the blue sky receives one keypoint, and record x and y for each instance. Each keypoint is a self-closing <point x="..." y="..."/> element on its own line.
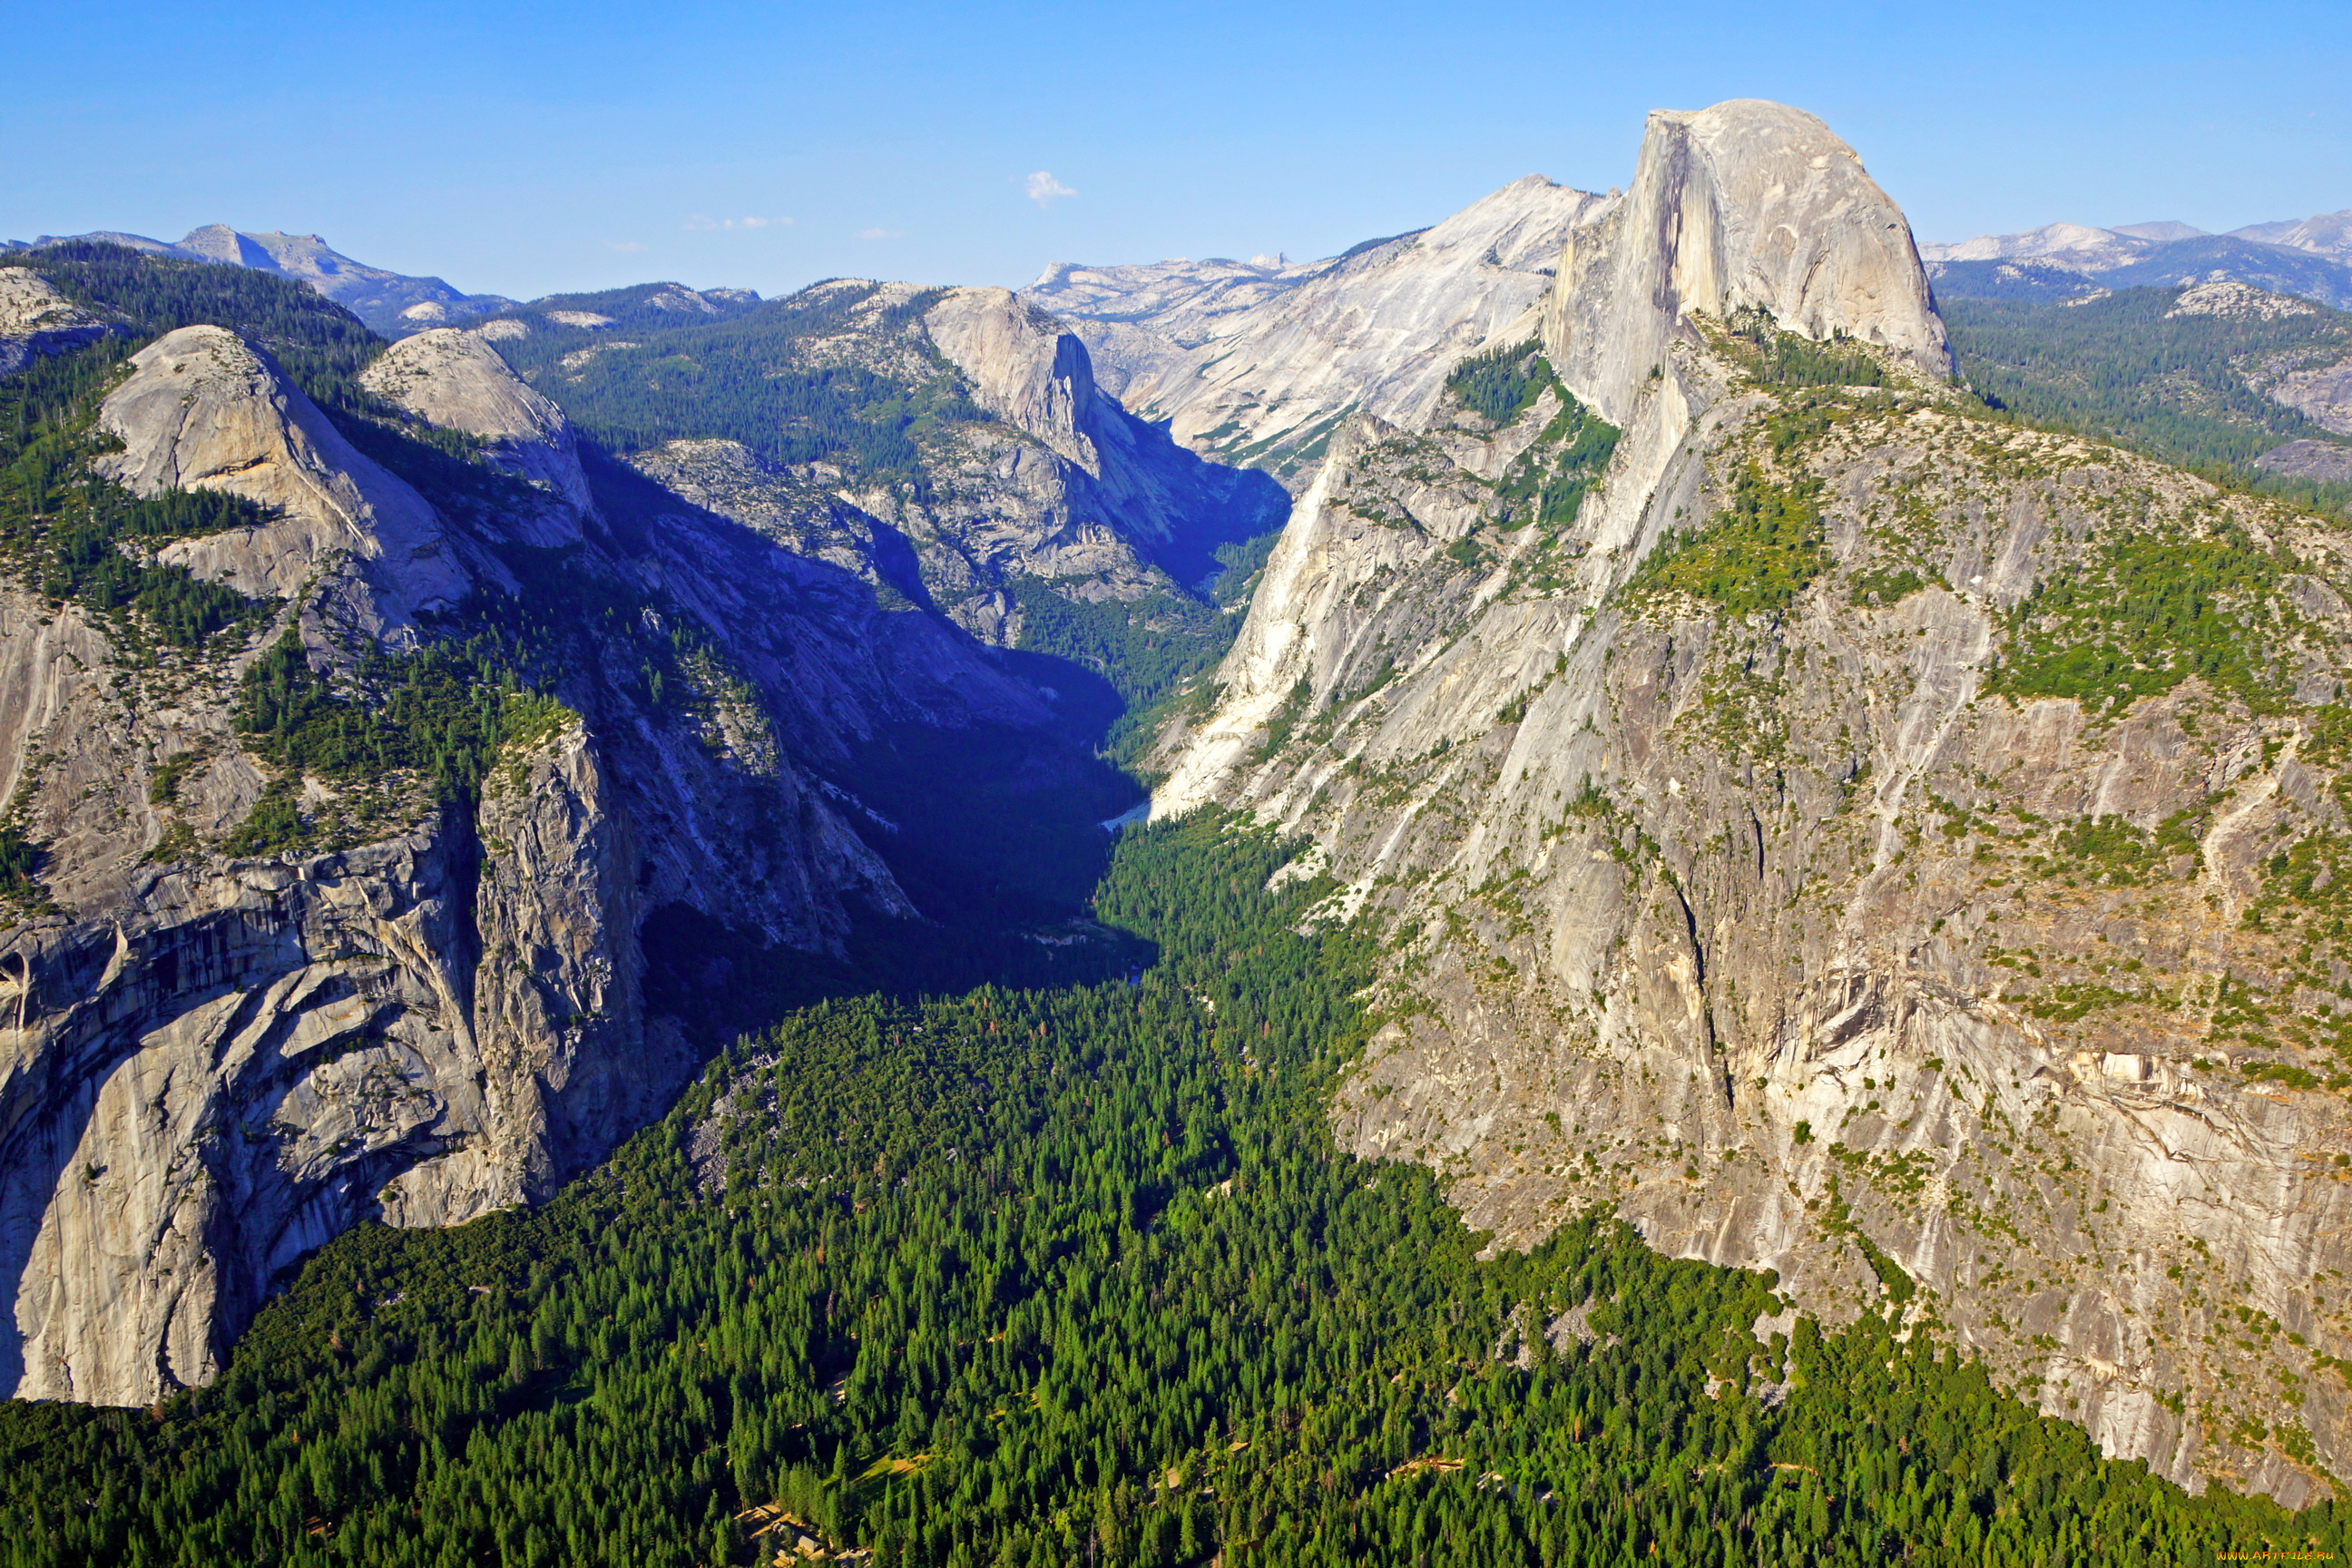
<point x="528" y="148"/>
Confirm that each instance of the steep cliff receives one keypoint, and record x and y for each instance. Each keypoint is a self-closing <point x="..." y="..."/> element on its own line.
<point x="1847" y="834"/>
<point x="1259" y="363"/>
<point x="456" y="379"/>
<point x="397" y="877"/>
<point x="950" y="446"/>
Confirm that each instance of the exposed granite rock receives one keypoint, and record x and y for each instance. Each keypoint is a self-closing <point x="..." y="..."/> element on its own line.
<point x="2239" y="302"/>
<point x="35" y="319"/>
<point x="203" y="409"/>
<point x="2322" y="394"/>
<point x="1023" y="367"/>
<point x="1745" y="206"/>
<point x="2309" y="460"/>
<point x="210" y="1065"/>
<point x="197" y="1093"/>
<point x="1777" y="934"/>
<point x="457" y="380"/>
<point x="1258" y="362"/>
<point x="1057" y="483"/>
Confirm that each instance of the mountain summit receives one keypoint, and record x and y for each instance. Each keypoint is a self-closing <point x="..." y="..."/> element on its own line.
<point x="391" y="302"/>
<point x="1802" y="825"/>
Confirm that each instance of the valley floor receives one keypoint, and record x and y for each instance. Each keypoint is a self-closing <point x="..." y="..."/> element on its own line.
<point x="1066" y="1275"/>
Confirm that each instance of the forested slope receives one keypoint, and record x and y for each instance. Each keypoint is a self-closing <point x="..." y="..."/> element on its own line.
<point x="1070" y="1275"/>
<point x="2194" y="387"/>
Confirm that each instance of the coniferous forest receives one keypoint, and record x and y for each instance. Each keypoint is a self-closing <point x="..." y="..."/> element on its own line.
<point x="1070" y="1275"/>
<point x="926" y="1272"/>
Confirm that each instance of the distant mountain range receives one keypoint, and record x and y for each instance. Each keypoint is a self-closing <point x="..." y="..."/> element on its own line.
<point x="392" y="302"/>
<point x="2308" y="256"/>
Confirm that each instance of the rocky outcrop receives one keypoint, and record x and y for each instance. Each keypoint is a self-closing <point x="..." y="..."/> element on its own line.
<point x="1023" y="367"/>
<point x="35" y="319"/>
<point x="2309" y="460"/>
<point x="1053" y="483"/>
<point x="199" y="1090"/>
<point x="456" y="381"/>
<point x="203" y="409"/>
<point x="2322" y="394"/>
<point x="1810" y="927"/>
<point x="210" y="1065"/>
<point x="1748" y="205"/>
<point x="1259" y="362"/>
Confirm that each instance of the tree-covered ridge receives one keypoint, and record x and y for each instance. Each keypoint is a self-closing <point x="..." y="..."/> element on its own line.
<point x="827" y="374"/>
<point x="2126" y="368"/>
<point x="80" y="539"/>
<point x="1546" y="484"/>
<point x="2147" y="615"/>
<point x="1503" y="382"/>
<point x="77" y="539"/>
<point x="321" y="345"/>
<point x="1070" y="1276"/>
<point x="1778" y="357"/>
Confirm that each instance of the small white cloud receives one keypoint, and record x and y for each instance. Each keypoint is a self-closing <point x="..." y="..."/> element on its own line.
<point x="881" y="234"/>
<point x="1044" y="188"/>
<point x="700" y="222"/>
<point x="623" y="244"/>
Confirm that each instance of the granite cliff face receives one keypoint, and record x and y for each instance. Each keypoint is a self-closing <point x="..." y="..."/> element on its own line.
<point x="35" y="319"/>
<point x="456" y="379"/>
<point x="203" y="410"/>
<point x="1259" y="363"/>
<point x="1019" y="477"/>
<point x="1745" y="206"/>
<point x="1818" y="842"/>
<point x="413" y="1004"/>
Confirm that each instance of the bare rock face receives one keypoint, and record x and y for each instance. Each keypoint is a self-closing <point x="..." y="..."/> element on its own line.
<point x="1023" y="367"/>
<point x="2322" y="394"/>
<point x="205" y="410"/>
<point x="197" y="1094"/>
<point x="2309" y="460"/>
<point x="1260" y="362"/>
<point x="211" y="1065"/>
<point x="568" y="1064"/>
<point x="1823" y="926"/>
<point x="1745" y="206"/>
<point x="1054" y="483"/>
<point x="456" y="379"/>
<point x="2239" y="302"/>
<point x="35" y="319"/>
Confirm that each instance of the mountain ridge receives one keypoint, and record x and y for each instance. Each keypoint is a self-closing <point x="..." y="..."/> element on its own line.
<point x="2308" y="256"/>
<point x="396" y="781"/>
<point x="1257" y="364"/>
<point x="388" y="301"/>
<point x="1758" y="841"/>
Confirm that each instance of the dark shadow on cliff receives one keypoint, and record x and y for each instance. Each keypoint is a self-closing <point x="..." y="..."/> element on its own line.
<point x="997" y="835"/>
<point x="994" y="832"/>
